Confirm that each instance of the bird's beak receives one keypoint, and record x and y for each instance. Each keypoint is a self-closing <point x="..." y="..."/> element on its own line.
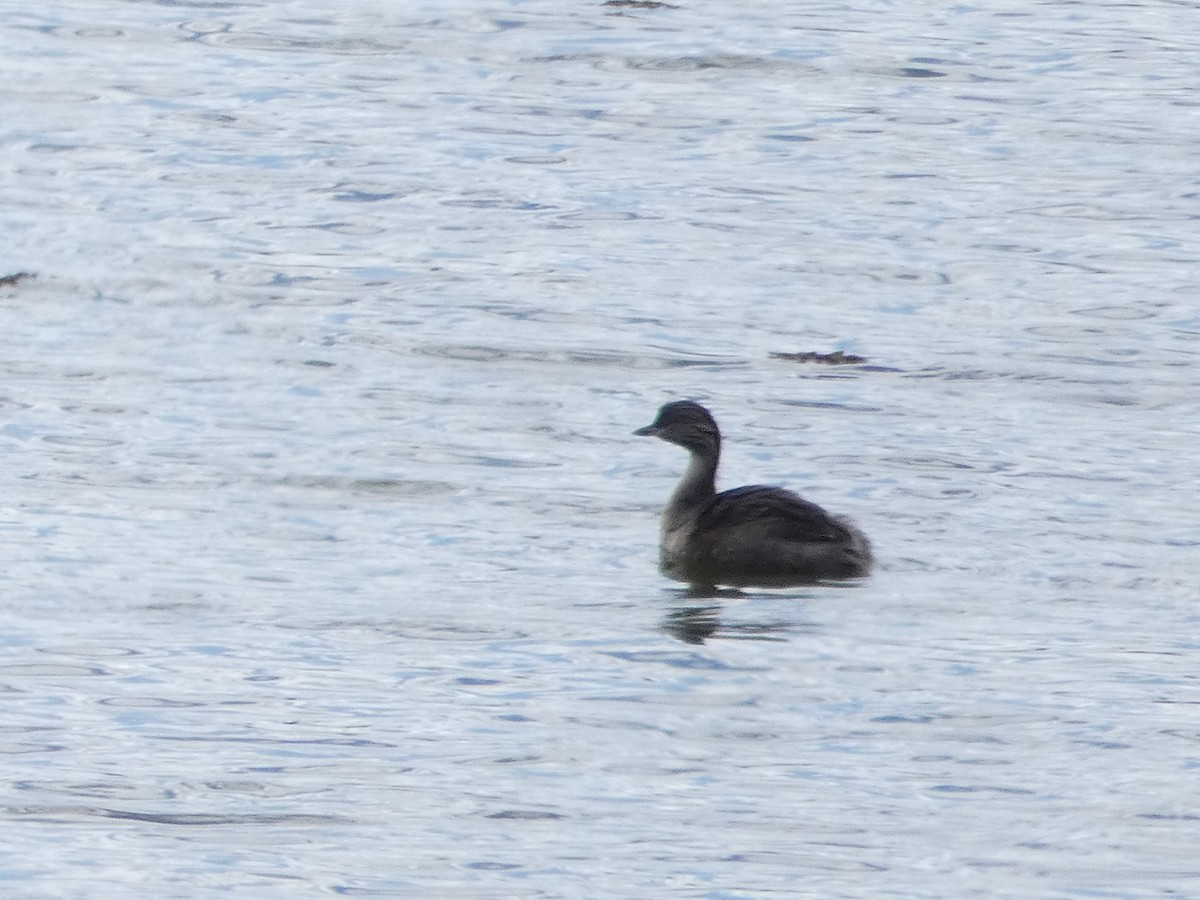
<point x="648" y="431"/>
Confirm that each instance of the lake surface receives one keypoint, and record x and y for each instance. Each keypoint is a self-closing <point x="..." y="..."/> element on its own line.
<point x="328" y="555"/>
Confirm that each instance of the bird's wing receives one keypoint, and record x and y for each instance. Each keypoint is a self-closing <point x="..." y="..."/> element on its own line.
<point x="771" y="513"/>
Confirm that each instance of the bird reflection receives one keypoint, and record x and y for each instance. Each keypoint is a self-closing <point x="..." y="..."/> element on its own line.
<point x="692" y="624"/>
<point x="697" y="623"/>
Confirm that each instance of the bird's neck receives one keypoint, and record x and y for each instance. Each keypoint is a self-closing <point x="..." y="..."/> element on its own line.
<point x="697" y="485"/>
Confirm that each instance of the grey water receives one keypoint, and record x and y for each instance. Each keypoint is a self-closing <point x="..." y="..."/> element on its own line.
<point x="329" y="557"/>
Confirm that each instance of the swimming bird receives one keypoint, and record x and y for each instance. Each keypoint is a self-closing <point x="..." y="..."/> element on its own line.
<point x="754" y="536"/>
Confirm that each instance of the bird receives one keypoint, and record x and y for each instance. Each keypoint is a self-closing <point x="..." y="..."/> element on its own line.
<point x="753" y="536"/>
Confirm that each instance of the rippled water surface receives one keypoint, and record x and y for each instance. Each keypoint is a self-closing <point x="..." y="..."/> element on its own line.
<point x="329" y="558"/>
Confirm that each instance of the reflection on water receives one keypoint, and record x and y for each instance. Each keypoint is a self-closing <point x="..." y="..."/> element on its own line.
<point x="324" y="533"/>
<point x="693" y="625"/>
<point x="698" y="624"/>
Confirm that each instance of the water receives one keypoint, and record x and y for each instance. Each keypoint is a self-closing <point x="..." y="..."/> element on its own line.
<point x="328" y="554"/>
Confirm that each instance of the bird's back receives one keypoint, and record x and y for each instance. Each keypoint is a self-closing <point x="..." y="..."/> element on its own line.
<point x="770" y="537"/>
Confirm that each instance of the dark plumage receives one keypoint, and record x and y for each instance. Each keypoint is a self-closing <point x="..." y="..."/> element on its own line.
<point x="752" y="536"/>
